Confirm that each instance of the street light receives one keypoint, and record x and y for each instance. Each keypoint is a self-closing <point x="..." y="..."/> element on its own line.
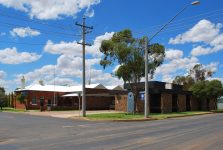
<point x="146" y="106"/>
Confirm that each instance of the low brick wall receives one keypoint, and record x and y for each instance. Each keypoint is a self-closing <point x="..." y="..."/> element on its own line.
<point x="181" y="103"/>
<point x="166" y="103"/>
<point x="121" y="103"/>
<point x="98" y="102"/>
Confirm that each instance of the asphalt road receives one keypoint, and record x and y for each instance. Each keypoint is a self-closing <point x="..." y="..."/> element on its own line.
<point x="26" y="132"/>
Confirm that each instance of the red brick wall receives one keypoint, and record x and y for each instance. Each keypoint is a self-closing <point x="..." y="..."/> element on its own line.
<point x="99" y="102"/>
<point x="37" y="94"/>
<point x="181" y="103"/>
<point x="166" y="103"/>
<point x="140" y="106"/>
<point x="121" y="103"/>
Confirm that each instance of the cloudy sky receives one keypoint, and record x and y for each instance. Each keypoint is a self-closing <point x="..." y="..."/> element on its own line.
<point x="38" y="38"/>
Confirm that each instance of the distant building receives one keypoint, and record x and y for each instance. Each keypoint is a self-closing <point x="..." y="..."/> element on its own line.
<point x="57" y="97"/>
<point x="163" y="98"/>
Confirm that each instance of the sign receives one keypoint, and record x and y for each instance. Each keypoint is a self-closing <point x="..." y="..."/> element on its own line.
<point x="130" y="103"/>
<point x="142" y="96"/>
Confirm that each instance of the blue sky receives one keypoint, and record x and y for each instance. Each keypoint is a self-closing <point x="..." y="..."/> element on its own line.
<point x="38" y="39"/>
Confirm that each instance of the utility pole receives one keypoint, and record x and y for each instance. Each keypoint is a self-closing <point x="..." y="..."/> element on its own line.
<point x="85" y="30"/>
<point x="146" y="94"/>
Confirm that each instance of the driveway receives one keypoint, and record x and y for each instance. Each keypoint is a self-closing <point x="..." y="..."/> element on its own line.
<point x="28" y="132"/>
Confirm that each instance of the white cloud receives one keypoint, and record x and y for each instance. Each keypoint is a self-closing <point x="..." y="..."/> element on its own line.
<point x="169" y="70"/>
<point x="72" y="48"/>
<point x="89" y="12"/>
<point x="12" y="56"/>
<point x="98" y="76"/>
<point x="49" y="9"/>
<point x="203" y="31"/>
<point x="68" y="70"/>
<point x="173" y="54"/>
<point x="70" y="66"/>
<point x="215" y="46"/>
<point x="24" y="32"/>
<point x="2" y="74"/>
<point x="199" y="50"/>
<point x="213" y="66"/>
<point x="63" y="48"/>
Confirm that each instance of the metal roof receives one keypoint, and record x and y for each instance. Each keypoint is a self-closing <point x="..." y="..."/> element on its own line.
<point x="57" y="88"/>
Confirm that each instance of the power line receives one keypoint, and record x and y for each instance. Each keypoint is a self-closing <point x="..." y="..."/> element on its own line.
<point x="34" y="21"/>
<point x="175" y="28"/>
<point x="183" y="20"/>
<point x="42" y="31"/>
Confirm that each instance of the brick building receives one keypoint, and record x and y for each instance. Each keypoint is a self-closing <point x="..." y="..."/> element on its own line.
<point x="67" y="97"/>
<point x="163" y="98"/>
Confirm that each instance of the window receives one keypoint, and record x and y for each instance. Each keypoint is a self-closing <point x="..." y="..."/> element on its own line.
<point x="34" y="102"/>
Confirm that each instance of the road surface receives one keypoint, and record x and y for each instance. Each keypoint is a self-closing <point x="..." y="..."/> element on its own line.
<point x="27" y="132"/>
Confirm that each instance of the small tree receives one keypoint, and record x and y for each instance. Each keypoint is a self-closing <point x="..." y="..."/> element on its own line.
<point x="22" y="99"/>
<point x="3" y="98"/>
<point x="128" y="52"/>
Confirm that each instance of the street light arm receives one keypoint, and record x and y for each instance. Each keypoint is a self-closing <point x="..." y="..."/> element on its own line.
<point x="193" y="3"/>
<point x="146" y="105"/>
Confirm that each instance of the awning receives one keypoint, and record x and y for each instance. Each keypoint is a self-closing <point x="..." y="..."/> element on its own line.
<point x="77" y="94"/>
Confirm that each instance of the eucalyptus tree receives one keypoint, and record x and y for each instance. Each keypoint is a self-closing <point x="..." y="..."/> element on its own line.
<point x="128" y="53"/>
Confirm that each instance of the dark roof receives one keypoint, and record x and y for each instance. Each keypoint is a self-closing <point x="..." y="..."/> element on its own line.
<point x="158" y="87"/>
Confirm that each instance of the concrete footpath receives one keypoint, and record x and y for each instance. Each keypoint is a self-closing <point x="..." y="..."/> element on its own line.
<point x="67" y="114"/>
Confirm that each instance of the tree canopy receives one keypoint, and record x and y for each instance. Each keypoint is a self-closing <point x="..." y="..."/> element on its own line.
<point x="210" y="90"/>
<point x="196" y="74"/>
<point x="3" y="97"/>
<point x="128" y="52"/>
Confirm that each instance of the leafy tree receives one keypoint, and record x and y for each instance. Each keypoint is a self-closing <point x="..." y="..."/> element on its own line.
<point x="22" y="99"/>
<point x="3" y="98"/>
<point x="128" y="52"/>
<point x="214" y="90"/>
<point x="200" y="73"/>
<point x="186" y="81"/>
<point x="210" y="90"/>
<point x="196" y="74"/>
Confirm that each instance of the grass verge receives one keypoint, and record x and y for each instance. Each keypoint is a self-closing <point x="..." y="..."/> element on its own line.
<point x="153" y="116"/>
<point x="217" y="111"/>
<point x="9" y="109"/>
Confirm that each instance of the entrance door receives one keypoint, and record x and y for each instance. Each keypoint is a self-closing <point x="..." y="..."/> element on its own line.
<point x="42" y="104"/>
<point x="174" y="103"/>
<point x="188" y="103"/>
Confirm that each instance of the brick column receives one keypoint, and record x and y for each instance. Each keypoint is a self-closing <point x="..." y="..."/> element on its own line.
<point x="121" y="103"/>
<point x="166" y="103"/>
<point x="181" y="103"/>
